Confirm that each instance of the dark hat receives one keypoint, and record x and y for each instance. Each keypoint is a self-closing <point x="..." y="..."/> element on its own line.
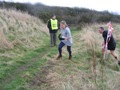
<point x="53" y="15"/>
<point x="101" y="28"/>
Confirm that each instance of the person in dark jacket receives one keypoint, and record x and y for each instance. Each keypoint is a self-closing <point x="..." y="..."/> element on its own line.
<point x="52" y="25"/>
<point x="111" y="43"/>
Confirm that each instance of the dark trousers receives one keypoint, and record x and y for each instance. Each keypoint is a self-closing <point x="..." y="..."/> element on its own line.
<point x="60" y="49"/>
<point x="52" y="39"/>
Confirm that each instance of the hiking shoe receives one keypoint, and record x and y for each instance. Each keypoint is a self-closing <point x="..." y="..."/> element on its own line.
<point x="119" y="62"/>
<point x="60" y="56"/>
<point x="70" y="57"/>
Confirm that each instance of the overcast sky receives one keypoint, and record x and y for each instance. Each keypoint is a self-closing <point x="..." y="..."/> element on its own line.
<point x="100" y="5"/>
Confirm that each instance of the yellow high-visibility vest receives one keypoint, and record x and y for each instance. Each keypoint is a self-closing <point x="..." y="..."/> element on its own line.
<point x="54" y="24"/>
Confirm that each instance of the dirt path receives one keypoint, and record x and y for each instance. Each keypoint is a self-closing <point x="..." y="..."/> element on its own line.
<point x="53" y="76"/>
<point x="46" y="76"/>
<point x="40" y="79"/>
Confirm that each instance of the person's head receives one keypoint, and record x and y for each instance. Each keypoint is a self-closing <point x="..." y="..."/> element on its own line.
<point x="101" y="30"/>
<point x="63" y="24"/>
<point x="53" y="16"/>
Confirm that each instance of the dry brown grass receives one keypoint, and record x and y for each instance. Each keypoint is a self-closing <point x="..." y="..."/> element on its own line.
<point x="21" y="26"/>
<point x="3" y="42"/>
<point x="20" y="29"/>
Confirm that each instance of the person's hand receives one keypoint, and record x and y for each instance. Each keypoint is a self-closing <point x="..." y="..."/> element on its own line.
<point x="66" y="38"/>
<point x="103" y="49"/>
<point x="103" y="44"/>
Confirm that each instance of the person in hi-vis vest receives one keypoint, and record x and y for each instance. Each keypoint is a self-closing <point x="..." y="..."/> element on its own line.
<point x="52" y="25"/>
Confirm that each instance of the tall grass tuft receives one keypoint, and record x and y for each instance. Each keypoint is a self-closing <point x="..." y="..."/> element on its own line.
<point x="4" y="43"/>
<point x="91" y="45"/>
<point x="20" y="31"/>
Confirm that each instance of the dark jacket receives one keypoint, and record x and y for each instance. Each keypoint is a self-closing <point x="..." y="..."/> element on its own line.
<point x="49" y="27"/>
<point x="112" y="42"/>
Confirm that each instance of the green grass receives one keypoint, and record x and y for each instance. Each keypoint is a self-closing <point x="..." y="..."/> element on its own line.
<point x="21" y="80"/>
<point x="37" y="62"/>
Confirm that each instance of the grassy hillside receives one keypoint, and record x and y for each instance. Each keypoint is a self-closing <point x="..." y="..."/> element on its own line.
<point x="20" y="30"/>
<point x="28" y="63"/>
